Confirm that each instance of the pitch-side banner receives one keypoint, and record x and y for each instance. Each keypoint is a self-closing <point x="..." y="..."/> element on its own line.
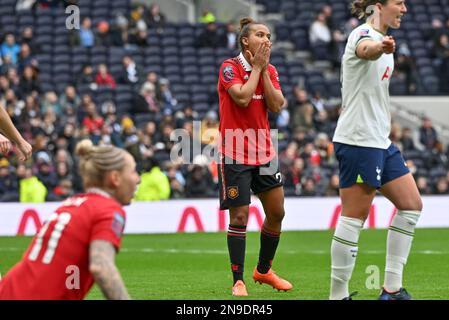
<point x="205" y="216"/>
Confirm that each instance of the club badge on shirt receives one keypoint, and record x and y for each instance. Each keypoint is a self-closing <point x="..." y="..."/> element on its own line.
<point x="364" y="32"/>
<point x="228" y="74"/>
<point x="118" y="225"/>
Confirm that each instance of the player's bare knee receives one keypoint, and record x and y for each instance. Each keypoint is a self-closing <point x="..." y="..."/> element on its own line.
<point x="239" y="217"/>
<point x="410" y="204"/>
<point x="276" y="215"/>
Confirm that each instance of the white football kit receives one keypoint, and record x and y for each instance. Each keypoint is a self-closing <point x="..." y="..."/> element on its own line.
<point x="365" y="117"/>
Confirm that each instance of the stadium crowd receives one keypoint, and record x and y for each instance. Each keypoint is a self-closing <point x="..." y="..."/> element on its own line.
<point x="54" y="122"/>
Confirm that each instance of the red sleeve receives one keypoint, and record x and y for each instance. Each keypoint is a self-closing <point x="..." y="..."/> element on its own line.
<point x="109" y="226"/>
<point x="274" y="76"/>
<point x="229" y="75"/>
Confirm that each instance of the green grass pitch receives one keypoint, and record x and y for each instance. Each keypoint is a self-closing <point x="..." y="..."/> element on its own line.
<point x="196" y="266"/>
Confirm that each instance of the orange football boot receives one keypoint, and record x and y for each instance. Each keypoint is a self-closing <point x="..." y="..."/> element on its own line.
<point x="239" y="289"/>
<point x="272" y="279"/>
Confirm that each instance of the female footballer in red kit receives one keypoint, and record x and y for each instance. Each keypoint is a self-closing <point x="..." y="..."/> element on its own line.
<point x="78" y="244"/>
<point x="248" y="88"/>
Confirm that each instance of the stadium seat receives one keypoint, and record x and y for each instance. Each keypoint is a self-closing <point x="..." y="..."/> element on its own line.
<point x="170" y="60"/>
<point x="168" y="41"/>
<point x="188" y="60"/>
<point x="187" y="41"/>
<point x="190" y="70"/>
<point x="188" y="51"/>
<point x="152" y="60"/>
<point x="172" y="69"/>
<point x="153" y="68"/>
<point x="170" y="51"/>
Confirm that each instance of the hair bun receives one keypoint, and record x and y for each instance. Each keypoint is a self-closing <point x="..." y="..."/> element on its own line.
<point x="84" y="148"/>
<point x="245" y="21"/>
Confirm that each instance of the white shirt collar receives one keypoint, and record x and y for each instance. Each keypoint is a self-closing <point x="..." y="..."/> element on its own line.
<point x="244" y="62"/>
<point x="98" y="191"/>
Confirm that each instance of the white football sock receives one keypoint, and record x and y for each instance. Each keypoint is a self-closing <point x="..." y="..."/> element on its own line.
<point x="399" y="242"/>
<point x="343" y="254"/>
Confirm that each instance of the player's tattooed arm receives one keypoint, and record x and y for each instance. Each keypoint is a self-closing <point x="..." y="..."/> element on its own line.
<point x="103" y="269"/>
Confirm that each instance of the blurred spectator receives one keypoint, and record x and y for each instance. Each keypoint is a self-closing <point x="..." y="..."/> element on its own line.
<point x="423" y="186"/>
<point x="14" y="79"/>
<point x="293" y="177"/>
<point x="50" y="101"/>
<point x="319" y="31"/>
<point x="427" y="134"/>
<point x="131" y="73"/>
<point x="154" y="184"/>
<point x="309" y="188"/>
<point x="207" y="17"/>
<point x="140" y="38"/>
<point x="119" y="31"/>
<point x="405" y="65"/>
<point x="333" y="188"/>
<point x="48" y="123"/>
<point x="138" y="15"/>
<point x="396" y="134"/>
<point x="25" y="58"/>
<point x="325" y="149"/>
<point x="102" y="36"/>
<point x="87" y="77"/>
<point x="63" y="190"/>
<point x="12" y="103"/>
<point x="438" y="157"/>
<point x="85" y="36"/>
<point x="70" y="99"/>
<point x="350" y="25"/>
<point x="407" y="140"/>
<point x="25" y="5"/>
<point x="131" y="139"/>
<point x="93" y="122"/>
<point x="199" y="180"/>
<point x="209" y="37"/>
<point x="186" y="115"/>
<point x="27" y="37"/>
<point x="177" y="181"/>
<point x="6" y="65"/>
<point x="112" y="124"/>
<point x="442" y="186"/>
<point x="210" y="128"/>
<point x="46" y="175"/>
<point x="327" y="12"/>
<point x="146" y="147"/>
<point x="229" y="38"/>
<point x="155" y="18"/>
<point x="10" y="48"/>
<point x="31" y="189"/>
<point x="146" y="101"/>
<point x="441" y="52"/>
<point x="9" y="187"/>
<point x="288" y="156"/>
<point x="166" y="96"/>
<point x="436" y="31"/>
<point x="104" y="78"/>
<point x="303" y="116"/>
<point x="29" y="81"/>
<point x="338" y="45"/>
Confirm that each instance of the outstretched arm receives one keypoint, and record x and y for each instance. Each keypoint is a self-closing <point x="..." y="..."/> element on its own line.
<point x="373" y="50"/>
<point x="103" y="269"/>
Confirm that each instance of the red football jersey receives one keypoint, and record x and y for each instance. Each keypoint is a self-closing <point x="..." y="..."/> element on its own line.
<point x="252" y="145"/>
<point x="56" y="264"/>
